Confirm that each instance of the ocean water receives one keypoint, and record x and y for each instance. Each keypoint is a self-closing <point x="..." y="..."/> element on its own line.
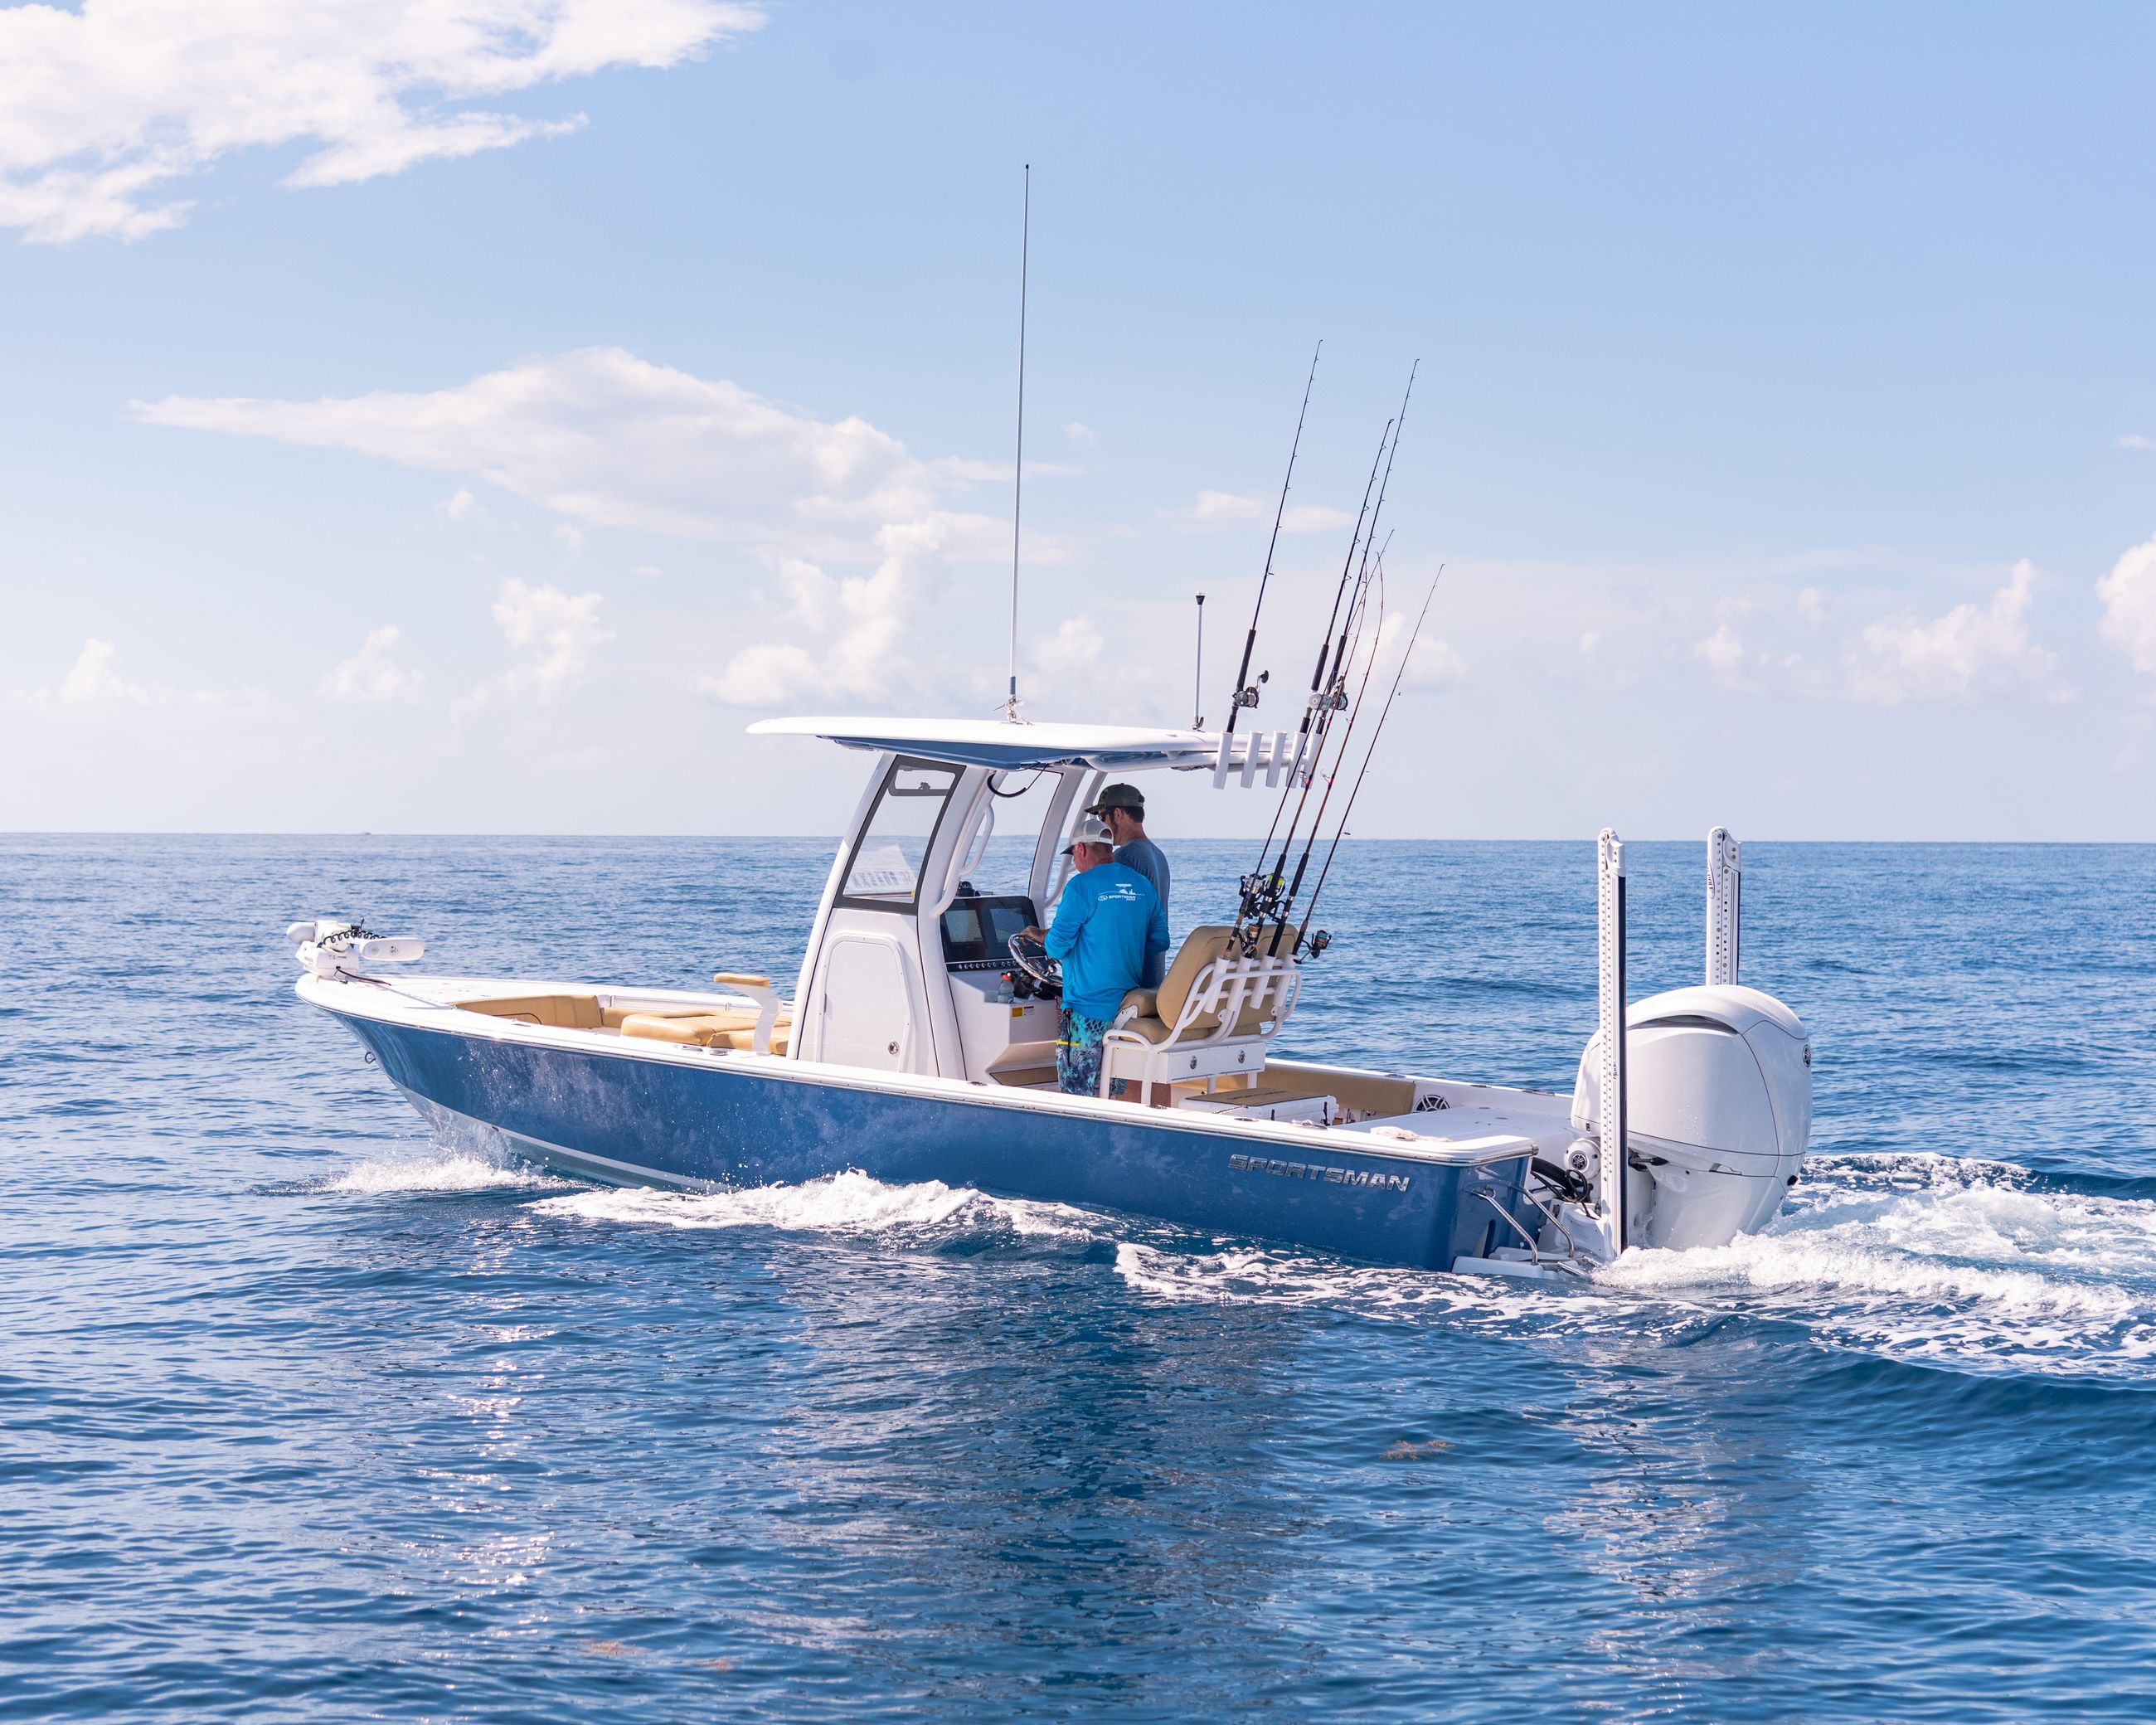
<point x="306" y="1416"/>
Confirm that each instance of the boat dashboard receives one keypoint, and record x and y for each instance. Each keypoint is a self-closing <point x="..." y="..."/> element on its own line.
<point x="977" y="929"/>
<point x="1007" y="1022"/>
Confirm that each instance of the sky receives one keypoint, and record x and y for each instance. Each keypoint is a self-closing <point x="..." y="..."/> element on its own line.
<point x="470" y="417"/>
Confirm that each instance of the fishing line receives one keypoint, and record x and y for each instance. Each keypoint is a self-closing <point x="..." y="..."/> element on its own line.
<point x="1340" y="759"/>
<point x="1245" y="694"/>
<point x="1332" y="680"/>
<point x="1355" y="790"/>
<point x="1258" y="887"/>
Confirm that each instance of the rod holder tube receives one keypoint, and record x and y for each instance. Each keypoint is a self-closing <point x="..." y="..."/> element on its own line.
<point x="1725" y="903"/>
<point x="1610" y="1011"/>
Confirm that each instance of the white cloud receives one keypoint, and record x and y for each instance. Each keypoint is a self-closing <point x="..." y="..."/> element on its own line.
<point x="2129" y="594"/>
<point x="96" y="683"/>
<point x="1972" y="652"/>
<point x="859" y="623"/>
<point x="1431" y="663"/>
<point x="1724" y="655"/>
<point x="1083" y="437"/>
<point x="372" y="674"/>
<point x="769" y="674"/>
<point x="607" y="439"/>
<point x="95" y="680"/>
<point x="465" y="507"/>
<point x="1812" y="604"/>
<point x="553" y="635"/>
<point x="571" y="536"/>
<point x="1590" y="644"/>
<point x="1067" y="664"/>
<point x="610" y="440"/>
<point x="102" y="107"/>
<point x="1215" y="509"/>
<point x="2135" y="440"/>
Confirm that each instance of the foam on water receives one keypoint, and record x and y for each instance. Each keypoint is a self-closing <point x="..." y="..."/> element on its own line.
<point x="1957" y="1261"/>
<point x="438" y="1170"/>
<point x="1969" y="1263"/>
<point x="1278" y="1275"/>
<point x="847" y="1203"/>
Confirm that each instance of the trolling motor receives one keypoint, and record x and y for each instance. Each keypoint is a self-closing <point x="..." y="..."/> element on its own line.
<point x="335" y="946"/>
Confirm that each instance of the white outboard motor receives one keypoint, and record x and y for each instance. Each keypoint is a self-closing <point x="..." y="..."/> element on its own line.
<point x="1718" y="1104"/>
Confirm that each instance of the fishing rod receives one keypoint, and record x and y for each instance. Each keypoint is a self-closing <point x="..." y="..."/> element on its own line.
<point x="1377" y="584"/>
<point x="1335" y="695"/>
<point x="1258" y="887"/>
<point x="1246" y="693"/>
<point x="1316" y="943"/>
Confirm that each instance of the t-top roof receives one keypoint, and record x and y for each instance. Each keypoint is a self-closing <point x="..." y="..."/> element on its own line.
<point x="998" y="742"/>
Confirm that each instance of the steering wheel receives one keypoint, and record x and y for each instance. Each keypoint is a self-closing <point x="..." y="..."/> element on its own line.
<point x="1046" y="972"/>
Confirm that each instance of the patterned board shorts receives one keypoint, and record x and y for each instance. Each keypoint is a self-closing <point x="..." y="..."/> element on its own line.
<point x="1078" y="1056"/>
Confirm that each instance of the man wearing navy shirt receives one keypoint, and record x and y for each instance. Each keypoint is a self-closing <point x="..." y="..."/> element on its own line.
<point x="1122" y="807"/>
<point x="1108" y="932"/>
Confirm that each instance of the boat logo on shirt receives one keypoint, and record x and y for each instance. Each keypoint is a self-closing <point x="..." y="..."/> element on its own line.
<point x="1330" y="1174"/>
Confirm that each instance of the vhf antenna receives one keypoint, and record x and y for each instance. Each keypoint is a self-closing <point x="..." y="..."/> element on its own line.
<point x="1198" y="677"/>
<point x="1017" y="475"/>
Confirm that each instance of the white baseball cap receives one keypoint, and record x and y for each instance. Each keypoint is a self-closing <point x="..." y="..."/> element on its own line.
<point x="1089" y="831"/>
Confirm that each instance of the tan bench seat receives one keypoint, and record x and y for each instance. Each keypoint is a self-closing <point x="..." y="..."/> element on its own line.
<point x="709" y="1027"/>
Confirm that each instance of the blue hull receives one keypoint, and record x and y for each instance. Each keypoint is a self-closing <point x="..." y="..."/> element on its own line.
<point x="625" y="1117"/>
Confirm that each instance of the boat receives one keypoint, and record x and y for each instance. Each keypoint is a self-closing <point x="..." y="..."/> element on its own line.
<point x="918" y="1043"/>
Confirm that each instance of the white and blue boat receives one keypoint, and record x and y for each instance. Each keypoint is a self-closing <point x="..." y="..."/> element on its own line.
<point x="913" y="1047"/>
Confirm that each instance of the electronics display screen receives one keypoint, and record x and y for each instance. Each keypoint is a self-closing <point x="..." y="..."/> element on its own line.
<point x="978" y="931"/>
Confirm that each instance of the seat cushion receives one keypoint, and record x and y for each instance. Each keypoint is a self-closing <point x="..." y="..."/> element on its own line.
<point x="684" y="1026"/>
<point x="744" y="1041"/>
<point x="723" y="1027"/>
<point x="1151" y="1029"/>
<point x="1200" y="948"/>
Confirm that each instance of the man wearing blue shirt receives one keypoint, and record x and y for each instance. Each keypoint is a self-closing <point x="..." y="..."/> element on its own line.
<point x="1122" y="807"/>
<point x="1108" y="931"/>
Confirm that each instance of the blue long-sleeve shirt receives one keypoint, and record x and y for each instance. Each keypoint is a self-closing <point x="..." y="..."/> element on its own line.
<point x="1108" y="924"/>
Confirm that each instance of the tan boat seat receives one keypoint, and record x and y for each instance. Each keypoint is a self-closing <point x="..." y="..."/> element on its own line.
<point x="1175" y="1032"/>
<point x="707" y="1027"/>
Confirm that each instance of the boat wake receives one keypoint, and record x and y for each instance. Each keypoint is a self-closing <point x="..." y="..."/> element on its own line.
<point x="1979" y="1266"/>
<point x="438" y="1170"/>
<point x="1969" y="1263"/>
<point x="1976" y="1265"/>
<point x="849" y="1202"/>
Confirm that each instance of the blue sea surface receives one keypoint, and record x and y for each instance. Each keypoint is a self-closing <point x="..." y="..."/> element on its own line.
<point x="304" y="1416"/>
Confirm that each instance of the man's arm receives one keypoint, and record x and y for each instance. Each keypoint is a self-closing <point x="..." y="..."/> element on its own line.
<point x="1070" y="911"/>
<point x="1156" y="939"/>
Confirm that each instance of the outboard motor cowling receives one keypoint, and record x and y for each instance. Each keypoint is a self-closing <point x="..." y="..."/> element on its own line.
<point x="1718" y="1108"/>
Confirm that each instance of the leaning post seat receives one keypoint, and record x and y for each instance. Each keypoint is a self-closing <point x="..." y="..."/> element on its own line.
<point x="1213" y="1012"/>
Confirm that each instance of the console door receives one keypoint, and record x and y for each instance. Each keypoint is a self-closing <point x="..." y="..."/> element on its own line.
<point x="867" y="1004"/>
